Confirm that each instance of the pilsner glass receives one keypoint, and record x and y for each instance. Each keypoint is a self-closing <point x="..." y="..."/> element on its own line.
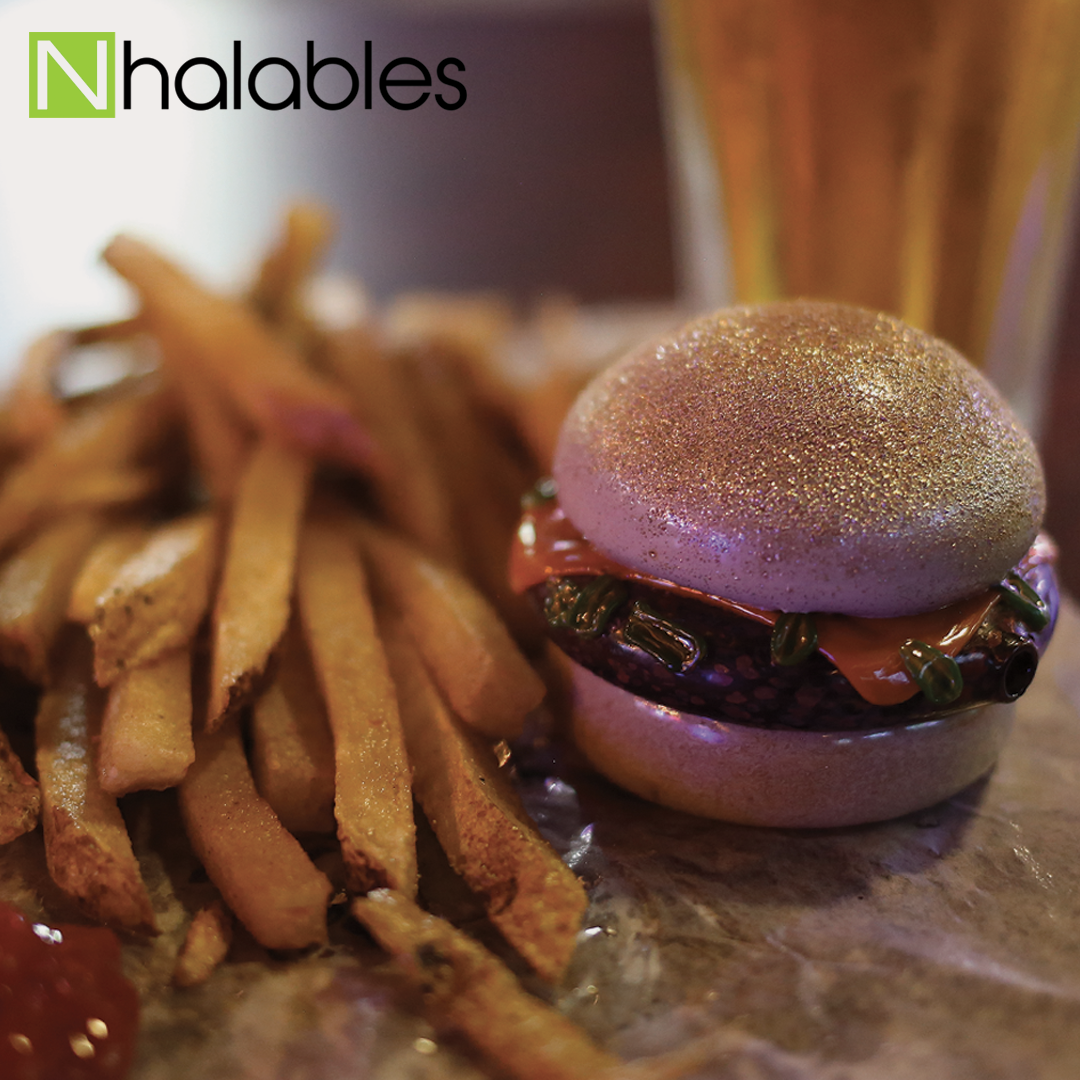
<point x="916" y="156"/>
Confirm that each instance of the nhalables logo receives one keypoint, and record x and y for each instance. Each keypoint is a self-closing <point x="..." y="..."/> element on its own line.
<point x="74" y="75"/>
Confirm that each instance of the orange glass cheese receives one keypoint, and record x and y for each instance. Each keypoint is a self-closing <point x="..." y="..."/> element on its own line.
<point x="865" y="651"/>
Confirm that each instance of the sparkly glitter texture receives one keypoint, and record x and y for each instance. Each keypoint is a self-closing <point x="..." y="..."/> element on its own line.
<point x="803" y="456"/>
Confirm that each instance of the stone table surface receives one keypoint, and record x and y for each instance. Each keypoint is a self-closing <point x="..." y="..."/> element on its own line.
<point x="943" y="944"/>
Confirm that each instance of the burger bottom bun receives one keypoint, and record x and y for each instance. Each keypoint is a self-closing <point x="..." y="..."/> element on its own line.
<point x="787" y="779"/>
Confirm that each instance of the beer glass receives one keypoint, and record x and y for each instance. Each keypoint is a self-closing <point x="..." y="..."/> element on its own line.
<point x="915" y="156"/>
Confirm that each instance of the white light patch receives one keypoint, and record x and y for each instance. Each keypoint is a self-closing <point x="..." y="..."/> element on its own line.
<point x="48" y="934"/>
<point x="198" y="184"/>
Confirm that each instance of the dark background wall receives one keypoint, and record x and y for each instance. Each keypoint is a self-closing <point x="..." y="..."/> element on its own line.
<point x="552" y="176"/>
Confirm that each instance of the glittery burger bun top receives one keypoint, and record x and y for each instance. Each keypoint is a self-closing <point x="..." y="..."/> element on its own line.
<point x="803" y="456"/>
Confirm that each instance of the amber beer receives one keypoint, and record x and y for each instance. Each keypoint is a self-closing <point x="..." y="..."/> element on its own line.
<point x="916" y="156"/>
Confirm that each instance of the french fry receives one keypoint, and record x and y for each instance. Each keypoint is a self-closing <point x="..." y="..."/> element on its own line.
<point x="35" y="584"/>
<point x="87" y="847"/>
<point x="263" y="378"/>
<point x="117" y="330"/>
<point x="530" y="894"/>
<point x="476" y="326"/>
<point x="111" y="551"/>
<point x="221" y="440"/>
<point x="278" y="293"/>
<point x="35" y="411"/>
<point x="146" y="730"/>
<point x="469" y="652"/>
<point x="373" y="800"/>
<point x="454" y="438"/>
<point x="206" y="944"/>
<point x="410" y="489"/>
<point x="157" y="598"/>
<point x="105" y="436"/>
<point x="541" y="411"/>
<point x="20" y="797"/>
<point x="252" y="606"/>
<point x="472" y="992"/>
<point x="292" y="748"/>
<point x="484" y="483"/>
<point x="105" y="488"/>
<point x="257" y="865"/>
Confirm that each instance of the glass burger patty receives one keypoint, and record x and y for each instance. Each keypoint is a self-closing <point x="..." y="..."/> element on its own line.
<point x="698" y="658"/>
<point x="703" y="654"/>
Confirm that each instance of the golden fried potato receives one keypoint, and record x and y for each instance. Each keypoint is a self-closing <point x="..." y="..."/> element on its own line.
<point x="221" y="439"/>
<point x="252" y="606"/>
<point x="259" y="868"/>
<point x="112" y="549"/>
<point x="104" y="437"/>
<point x="206" y="944"/>
<point x="410" y="487"/>
<point x="34" y="407"/>
<point x="157" y="598"/>
<point x="464" y="644"/>
<point x="87" y="847"/>
<point x="35" y="585"/>
<point x="530" y="894"/>
<point x="262" y="377"/>
<point x="292" y="747"/>
<point x="468" y="989"/>
<point x="146" y="740"/>
<point x="278" y="293"/>
<point x="20" y="797"/>
<point x="373" y="801"/>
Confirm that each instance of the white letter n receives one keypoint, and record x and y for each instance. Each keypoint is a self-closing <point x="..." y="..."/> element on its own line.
<point x="99" y="99"/>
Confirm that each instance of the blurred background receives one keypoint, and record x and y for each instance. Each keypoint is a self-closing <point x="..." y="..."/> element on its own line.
<point x="552" y="179"/>
<point x="552" y="175"/>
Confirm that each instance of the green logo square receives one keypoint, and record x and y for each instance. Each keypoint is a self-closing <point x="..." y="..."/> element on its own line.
<point x="72" y="75"/>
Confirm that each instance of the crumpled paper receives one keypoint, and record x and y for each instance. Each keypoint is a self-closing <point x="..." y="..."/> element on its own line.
<point x="943" y="944"/>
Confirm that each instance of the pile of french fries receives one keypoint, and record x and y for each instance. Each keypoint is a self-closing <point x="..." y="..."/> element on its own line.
<point x="270" y="574"/>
